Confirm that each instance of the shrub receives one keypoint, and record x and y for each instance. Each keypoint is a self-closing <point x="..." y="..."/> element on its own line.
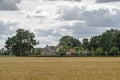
<point x="114" y="51"/>
<point x="99" y="51"/>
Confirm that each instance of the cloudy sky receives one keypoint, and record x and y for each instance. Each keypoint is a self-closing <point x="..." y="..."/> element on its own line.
<point x="52" y="19"/>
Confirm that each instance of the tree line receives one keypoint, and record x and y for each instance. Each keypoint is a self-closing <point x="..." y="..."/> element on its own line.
<point x="105" y="44"/>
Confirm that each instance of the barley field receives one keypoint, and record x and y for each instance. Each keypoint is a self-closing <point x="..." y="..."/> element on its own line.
<point x="59" y="68"/>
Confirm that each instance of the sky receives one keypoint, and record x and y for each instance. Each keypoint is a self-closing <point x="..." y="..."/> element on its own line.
<point x="52" y="19"/>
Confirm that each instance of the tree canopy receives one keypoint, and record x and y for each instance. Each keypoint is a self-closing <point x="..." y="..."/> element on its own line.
<point x="22" y="43"/>
<point x="69" y="41"/>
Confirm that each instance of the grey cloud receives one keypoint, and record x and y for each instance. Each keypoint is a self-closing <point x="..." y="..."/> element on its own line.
<point x="7" y="27"/>
<point x="80" y="30"/>
<point x="86" y="31"/>
<point x="105" y="1"/>
<point x="101" y="17"/>
<point x="68" y="13"/>
<point x="50" y="32"/>
<point x="17" y="1"/>
<point x="9" y="4"/>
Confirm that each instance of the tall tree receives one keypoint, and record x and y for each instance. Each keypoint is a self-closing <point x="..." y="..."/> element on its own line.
<point x="22" y="43"/>
<point x="85" y="43"/>
<point x="107" y="39"/>
<point x="69" y="41"/>
<point x="117" y="39"/>
<point x="94" y="42"/>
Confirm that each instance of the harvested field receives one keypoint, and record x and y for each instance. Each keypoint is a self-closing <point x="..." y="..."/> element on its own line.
<point x="59" y="68"/>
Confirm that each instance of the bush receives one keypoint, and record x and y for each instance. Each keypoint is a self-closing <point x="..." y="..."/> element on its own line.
<point x="99" y="51"/>
<point x="63" y="50"/>
<point x="114" y="51"/>
<point x="79" y="50"/>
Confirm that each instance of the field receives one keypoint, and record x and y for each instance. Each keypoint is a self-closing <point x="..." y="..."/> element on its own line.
<point x="59" y="68"/>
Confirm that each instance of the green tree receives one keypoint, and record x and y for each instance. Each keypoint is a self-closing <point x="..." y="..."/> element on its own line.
<point x="107" y="39"/>
<point x="92" y="52"/>
<point x="37" y="51"/>
<point x="22" y="43"/>
<point x="99" y="51"/>
<point x="85" y="43"/>
<point x="117" y="39"/>
<point x="79" y="50"/>
<point x="94" y="42"/>
<point x="69" y="41"/>
<point x="64" y="49"/>
<point x="114" y="51"/>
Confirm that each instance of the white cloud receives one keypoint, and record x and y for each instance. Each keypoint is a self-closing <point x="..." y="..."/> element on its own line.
<point x="38" y="13"/>
<point x="47" y="40"/>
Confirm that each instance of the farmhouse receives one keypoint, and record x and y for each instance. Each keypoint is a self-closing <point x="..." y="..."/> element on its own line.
<point x="49" y="50"/>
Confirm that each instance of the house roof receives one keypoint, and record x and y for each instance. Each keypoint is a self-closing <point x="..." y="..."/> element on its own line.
<point x="49" y="49"/>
